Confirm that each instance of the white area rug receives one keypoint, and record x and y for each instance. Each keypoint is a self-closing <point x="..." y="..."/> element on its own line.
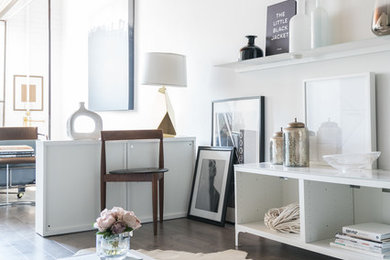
<point x="173" y="255"/>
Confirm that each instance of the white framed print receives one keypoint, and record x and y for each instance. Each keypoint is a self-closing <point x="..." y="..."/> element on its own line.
<point x="340" y="115"/>
<point x="213" y="173"/>
<point x="28" y="93"/>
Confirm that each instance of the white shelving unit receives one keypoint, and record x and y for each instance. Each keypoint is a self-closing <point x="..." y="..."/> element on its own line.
<point x="331" y="52"/>
<point x="328" y="201"/>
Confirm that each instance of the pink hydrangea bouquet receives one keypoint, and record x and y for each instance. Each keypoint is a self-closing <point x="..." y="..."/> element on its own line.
<point x="116" y="221"/>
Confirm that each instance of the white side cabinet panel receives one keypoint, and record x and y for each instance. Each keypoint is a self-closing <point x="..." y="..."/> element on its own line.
<point x="68" y="181"/>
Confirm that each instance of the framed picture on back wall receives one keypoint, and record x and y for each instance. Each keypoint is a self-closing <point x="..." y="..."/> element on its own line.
<point x="239" y="122"/>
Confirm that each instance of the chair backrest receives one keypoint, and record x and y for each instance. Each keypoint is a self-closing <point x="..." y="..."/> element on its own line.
<point x="130" y="135"/>
<point x="18" y="133"/>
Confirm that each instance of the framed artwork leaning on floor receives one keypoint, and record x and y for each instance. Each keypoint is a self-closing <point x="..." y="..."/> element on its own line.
<point x="213" y="173"/>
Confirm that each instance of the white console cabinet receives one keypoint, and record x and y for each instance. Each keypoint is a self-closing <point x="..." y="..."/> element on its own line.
<point x="68" y="181"/>
<point x="328" y="201"/>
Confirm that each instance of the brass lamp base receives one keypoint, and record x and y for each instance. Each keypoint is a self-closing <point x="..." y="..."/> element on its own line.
<point x="167" y="127"/>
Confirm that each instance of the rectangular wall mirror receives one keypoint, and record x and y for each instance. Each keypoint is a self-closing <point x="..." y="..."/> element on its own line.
<point x="111" y="55"/>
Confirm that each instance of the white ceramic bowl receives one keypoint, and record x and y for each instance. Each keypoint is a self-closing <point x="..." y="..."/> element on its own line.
<point x="353" y="161"/>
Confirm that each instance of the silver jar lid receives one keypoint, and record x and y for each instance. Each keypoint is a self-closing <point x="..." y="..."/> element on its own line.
<point x="278" y="134"/>
<point x="295" y="124"/>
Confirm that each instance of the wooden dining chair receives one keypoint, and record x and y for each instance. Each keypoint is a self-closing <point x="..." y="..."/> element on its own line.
<point x="150" y="174"/>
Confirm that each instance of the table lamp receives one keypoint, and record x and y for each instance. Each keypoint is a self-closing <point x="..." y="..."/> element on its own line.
<point x="165" y="69"/>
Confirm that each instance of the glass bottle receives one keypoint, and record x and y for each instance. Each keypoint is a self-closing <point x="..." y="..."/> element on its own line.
<point x="251" y="51"/>
<point x="381" y="18"/>
<point x="299" y="30"/>
<point x="320" y="35"/>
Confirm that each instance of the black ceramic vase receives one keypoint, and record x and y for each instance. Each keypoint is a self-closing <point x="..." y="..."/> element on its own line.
<point x="251" y="51"/>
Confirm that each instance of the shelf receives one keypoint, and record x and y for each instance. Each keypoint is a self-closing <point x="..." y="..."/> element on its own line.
<point x="367" y="178"/>
<point x="259" y="229"/>
<point x="321" y="247"/>
<point x="331" y="52"/>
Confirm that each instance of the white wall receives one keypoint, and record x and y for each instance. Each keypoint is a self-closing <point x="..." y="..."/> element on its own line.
<point x="212" y="32"/>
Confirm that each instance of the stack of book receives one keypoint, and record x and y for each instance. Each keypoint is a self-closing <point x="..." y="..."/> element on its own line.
<point x="368" y="238"/>
<point x="8" y="151"/>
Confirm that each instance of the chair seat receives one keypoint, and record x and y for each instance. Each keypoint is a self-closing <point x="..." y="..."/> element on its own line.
<point x="17" y="160"/>
<point x="139" y="171"/>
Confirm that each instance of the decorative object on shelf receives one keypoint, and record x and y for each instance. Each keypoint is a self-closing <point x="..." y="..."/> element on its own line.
<point x="165" y="69"/>
<point x="276" y="148"/>
<point x="329" y="139"/>
<point x="352" y="161"/>
<point x="278" y="18"/>
<point x="213" y="173"/>
<point x="250" y="51"/>
<point x="285" y="219"/>
<point x="340" y="111"/>
<point x="73" y="125"/>
<point x="296" y="145"/>
<point x="28" y="120"/>
<point x="239" y="122"/>
<point x="28" y="93"/>
<point x="370" y="238"/>
<point x="381" y="18"/>
<point x="299" y="32"/>
<point x="114" y="229"/>
<point x="110" y="72"/>
<point x="320" y="35"/>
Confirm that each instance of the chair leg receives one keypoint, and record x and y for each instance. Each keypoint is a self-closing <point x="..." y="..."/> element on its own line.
<point x="154" y="197"/>
<point x="103" y="186"/>
<point x="161" y="197"/>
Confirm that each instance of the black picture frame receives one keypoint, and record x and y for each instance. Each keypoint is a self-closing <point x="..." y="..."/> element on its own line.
<point x="208" y="203"/>
<point x="232" y="107"/>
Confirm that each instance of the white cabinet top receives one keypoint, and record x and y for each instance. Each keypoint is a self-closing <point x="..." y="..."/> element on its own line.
<point x="86" y="141"/>
<point x="368" y="178"/>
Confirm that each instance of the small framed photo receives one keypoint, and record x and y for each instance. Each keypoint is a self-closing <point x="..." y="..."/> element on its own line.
<point x="28" y="93"/>
<point x="213" y="173"/>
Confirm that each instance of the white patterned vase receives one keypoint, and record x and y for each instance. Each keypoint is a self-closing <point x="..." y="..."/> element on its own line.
<point x="83" y="112"/>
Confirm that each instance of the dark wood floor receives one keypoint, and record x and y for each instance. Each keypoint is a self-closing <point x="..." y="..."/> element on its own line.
<point x="19" y="241"/>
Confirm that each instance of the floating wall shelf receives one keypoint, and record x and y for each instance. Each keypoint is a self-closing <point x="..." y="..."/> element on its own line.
<point x="331" y="52"/>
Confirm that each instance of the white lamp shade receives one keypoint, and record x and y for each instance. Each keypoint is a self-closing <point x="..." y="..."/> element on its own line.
<point x="165" y="69"/>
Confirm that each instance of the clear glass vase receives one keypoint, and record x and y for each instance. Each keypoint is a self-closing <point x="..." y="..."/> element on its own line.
<point x="114" y="246"/>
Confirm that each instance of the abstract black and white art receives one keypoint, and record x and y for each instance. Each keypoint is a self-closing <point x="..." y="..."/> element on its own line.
<point x="213" y="172"/>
